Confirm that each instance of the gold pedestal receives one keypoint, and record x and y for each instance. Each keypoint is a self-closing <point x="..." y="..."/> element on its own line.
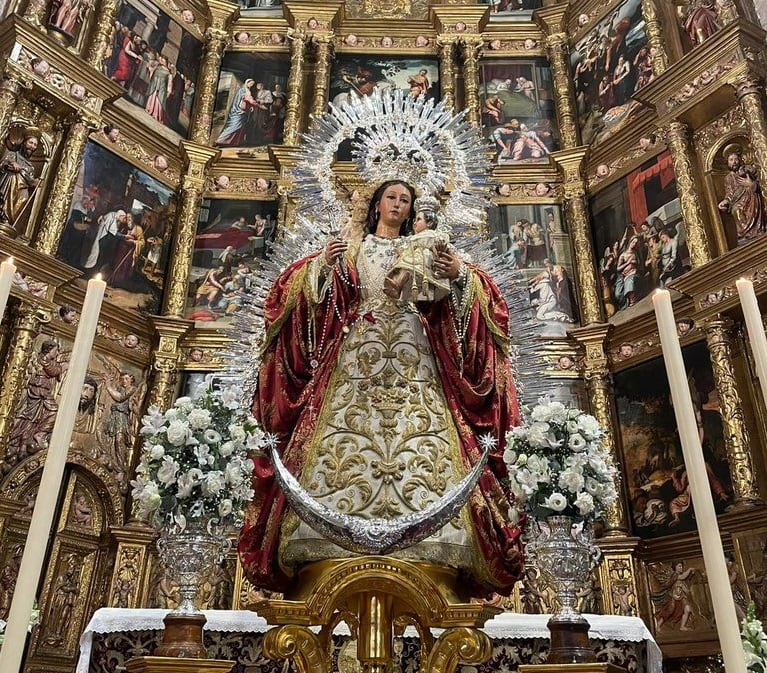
<point x="571" y="668"/>
<point x="377" y="597"/>
<point x="171" y="665"/>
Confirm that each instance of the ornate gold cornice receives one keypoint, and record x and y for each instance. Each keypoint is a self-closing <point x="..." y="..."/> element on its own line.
<point x="459" y="20"/>
<point x="310" y="16"/>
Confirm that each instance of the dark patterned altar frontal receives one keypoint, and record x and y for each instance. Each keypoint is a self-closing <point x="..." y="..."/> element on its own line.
<point x="639" y="237"/>
<point x="518" y="114"/>
<point x="251" y="100"/>
<point x="119" y="225"/>
<point x="156" y="61"/>
<point x="655" y="476"/>
<point x="232" y="238"/>
<point x="608" y="65"/>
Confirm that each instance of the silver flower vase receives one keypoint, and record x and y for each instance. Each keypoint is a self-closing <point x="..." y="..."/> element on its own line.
<point x="565" y="555"/>
<point x="189" y="556"/>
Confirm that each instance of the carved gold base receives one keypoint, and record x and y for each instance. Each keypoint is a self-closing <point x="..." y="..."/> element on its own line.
<point x="377" y="597"/>
<point x="177" y="665"/>
<point x="571" y="668"/>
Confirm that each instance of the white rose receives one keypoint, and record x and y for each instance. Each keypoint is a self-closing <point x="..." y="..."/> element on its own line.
<point x="509" y="456"/>
<point x="225" y="507"/>
<point x="589" y="426"/>
<point x="177" y="433"/>
<point x="572" y="480"/>
<point x="211" y="436"/>
<point x="166" y="474"/>
<point x="171" y="414"/>
<point x="234" y="474"/>
<point x="199" y="419"/>
<point x="184" y="403"/>
<point x="538" y="434"/>
<point x="556" y="501"/>
<point x="237" y="432"/>
<point x="157" y="451"/>
<point x="571" y="426"/>
<point x="226" y="449"/>
<point x="576" y="442"/>
<point x="214" y="483"/>
<point x="557" y="412"/>
<point x="195" y="475"/>
<point x="585" y="503"/>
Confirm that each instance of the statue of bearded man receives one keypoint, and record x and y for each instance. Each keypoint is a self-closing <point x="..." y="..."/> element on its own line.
<point x="17" y="180"/>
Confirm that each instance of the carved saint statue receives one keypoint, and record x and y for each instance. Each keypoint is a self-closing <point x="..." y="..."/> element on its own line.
<point x="17" y="177"/>
<point x="743" y="196"/>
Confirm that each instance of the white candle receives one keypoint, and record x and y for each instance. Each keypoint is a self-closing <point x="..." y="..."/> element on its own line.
<point x="7" y="271"/>
<point x="50" y="483"/>
<point x="705" y="515"/>
<point x="753" y="319"/>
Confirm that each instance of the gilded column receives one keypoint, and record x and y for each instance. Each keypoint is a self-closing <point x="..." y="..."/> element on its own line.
<point x="596" y="373"/>
<point x="197" y="159"/>
<point x="446" y="46"/>
<point x="165" y="360"/>
<point x="558" y="51"/>
<point x="736" y="436"/>
<point x="749" y="94"/>
<point x="26" y="328"/>
<point x="10" y="90"/>
<point x="472" y="48"/>
<point x="677" y="136"/>
<point x="216" y="40"/>
<point x="60" y="196"/>
<point x="570" y="162"/>
<point x="655" y="36"/>
<point x="294" y="86"/>
<point x="322" y="53"/>
<point x="102" y="31"/>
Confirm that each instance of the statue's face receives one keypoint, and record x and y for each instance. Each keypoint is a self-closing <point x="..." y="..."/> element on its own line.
<point x="733" y="161"/>
<point x="30" y="146"/>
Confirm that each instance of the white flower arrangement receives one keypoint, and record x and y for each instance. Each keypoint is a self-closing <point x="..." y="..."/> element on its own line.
<point x="196" y="461"/>
<point x="754" y="642"/>
<point x="34" y="620"/>
<point x="557" y="463"/>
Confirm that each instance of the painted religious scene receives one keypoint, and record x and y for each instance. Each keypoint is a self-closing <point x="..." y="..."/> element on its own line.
<point x="608" y="65"/>
<point x="511" y="8"/>
<point x="536" y="242"/>
<point x="518" y="112"/>
<point x="156" y="61"/>
<point x="655" y="476"/>
<point x="639" y="237"/>
<point x="107" y="415"/>
<point x="232" y="238"/>
<point x="251" y="100"/>
<point x="119" y="225"/>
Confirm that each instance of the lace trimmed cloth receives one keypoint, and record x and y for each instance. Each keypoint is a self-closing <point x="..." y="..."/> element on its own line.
<point x="505" y="626"/>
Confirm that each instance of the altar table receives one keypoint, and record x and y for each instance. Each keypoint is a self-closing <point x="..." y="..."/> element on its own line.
<point x="115" y="635"/>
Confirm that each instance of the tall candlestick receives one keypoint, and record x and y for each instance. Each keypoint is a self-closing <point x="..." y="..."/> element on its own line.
<point x="7" y="271"/>
<point x="28" y="579"/>
<point x="753" y="319"/>
<point x="705" y="515"/>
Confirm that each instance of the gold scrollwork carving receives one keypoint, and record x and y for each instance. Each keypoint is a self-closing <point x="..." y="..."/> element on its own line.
<point x="446" y="47"/>
<point x="654" y="36"/>
<point x="323" y="50"/>
<point x="471" y="46"/>
<point x="622" y="582"/>
<point x="459" y="644"/>
<point x="749" y="94"/>
<point x="558" y="51"/>
<point x="299" y="644"/>
<point x="215" y="43"/>
<point x="101" y="33"/>
<point x="181" y="257"/>
<point x="681" y="155"/>
<point x="736" y="436"/>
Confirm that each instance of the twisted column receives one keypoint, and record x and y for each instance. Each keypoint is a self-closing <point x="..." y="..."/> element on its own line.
<point x="736" y="436"/>
<point x="749" y="94"/>
<point x="570" y="162"/>
<point x="472" y="48"/>
<point x="447" y="69"/>
<point x="56" y="210"/>
<point x="102" y="32"/>
<point x="323" y="50"/>
<point x="197" y="159"/>
<point x="655" y="36"/>
<point x="295" y="79"/>
<point x="677" y="135"/>
<point x="10" y="90"/>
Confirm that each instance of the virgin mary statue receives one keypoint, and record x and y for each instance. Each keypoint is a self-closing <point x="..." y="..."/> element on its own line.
<point x="380" y="406"/>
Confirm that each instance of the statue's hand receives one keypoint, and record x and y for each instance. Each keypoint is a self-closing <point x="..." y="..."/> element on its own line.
<point x="724" y="205"/>
<point x="334" y="250"/>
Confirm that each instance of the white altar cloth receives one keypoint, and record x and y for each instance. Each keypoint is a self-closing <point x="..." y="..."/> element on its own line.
<point x="505" y="625"/>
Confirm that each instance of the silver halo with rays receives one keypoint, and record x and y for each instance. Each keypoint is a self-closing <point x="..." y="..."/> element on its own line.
<point x="374" y="536"/>
<point x="396" y="136"/>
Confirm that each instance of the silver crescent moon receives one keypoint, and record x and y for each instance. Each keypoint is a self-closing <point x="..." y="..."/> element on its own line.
<point x="374" y="536"/>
